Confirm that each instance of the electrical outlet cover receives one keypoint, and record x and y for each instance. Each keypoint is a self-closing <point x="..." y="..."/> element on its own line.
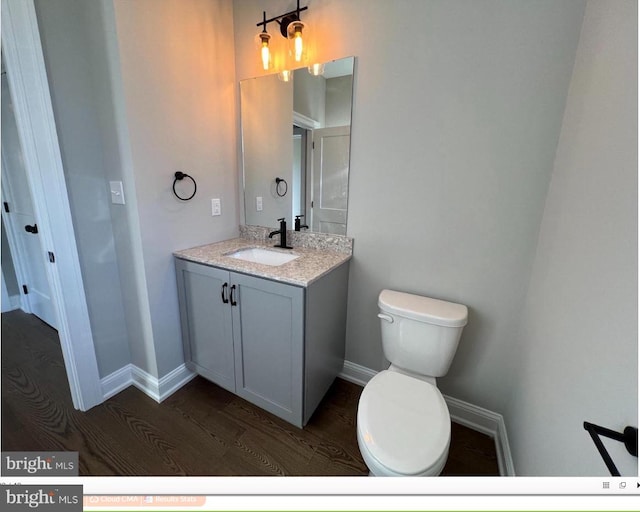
<point x="215" y="207"/>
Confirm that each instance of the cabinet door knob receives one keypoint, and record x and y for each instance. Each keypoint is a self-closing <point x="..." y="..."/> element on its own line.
<point x="233" y="301"/>
<point x="224" y="289"/>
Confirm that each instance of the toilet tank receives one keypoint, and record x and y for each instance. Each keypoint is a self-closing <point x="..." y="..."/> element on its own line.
<point x="420" y="334"/>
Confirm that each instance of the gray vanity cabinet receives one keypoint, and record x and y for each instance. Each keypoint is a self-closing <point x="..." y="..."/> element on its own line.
<point x="268" y="341"/>
<point x="206" y="322"/>
<point x="279" y="346"/>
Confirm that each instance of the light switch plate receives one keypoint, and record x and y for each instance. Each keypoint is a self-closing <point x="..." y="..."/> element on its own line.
<point x="117" y="193"/>
<point x="259" y="203"/>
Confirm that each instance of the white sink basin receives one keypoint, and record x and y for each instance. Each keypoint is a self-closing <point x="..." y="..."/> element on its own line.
<point x="263" y="256"/>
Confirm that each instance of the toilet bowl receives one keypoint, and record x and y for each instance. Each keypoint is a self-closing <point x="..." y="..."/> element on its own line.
<point x="403" y="426"/>
<point x="403" y="423"/>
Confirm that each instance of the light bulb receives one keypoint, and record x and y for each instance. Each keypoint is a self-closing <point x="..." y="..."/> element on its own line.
<point x="294" y="31"/>
<point x="297" y="41"/>
<point x="264" y="50"/>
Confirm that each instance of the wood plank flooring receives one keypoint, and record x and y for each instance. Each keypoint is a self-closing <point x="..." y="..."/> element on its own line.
<point x="200" y="430"/>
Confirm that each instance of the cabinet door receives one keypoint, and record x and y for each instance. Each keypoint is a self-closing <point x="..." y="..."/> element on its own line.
<point x="268" y="328"/>
<point x="206" y="322"/>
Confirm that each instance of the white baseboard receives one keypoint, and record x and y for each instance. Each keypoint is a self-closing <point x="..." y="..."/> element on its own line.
<point x="487" y="422"/>
<point x="158" y="389"/>
<point x="115" y="382"/>
<point x="174" y="380"/>
<point x="466" y="414"/>
<point x="355" y="373"/>
<point x="11" y="304"/>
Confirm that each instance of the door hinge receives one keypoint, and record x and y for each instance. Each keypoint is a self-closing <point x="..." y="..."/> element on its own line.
<point x="25" y="289"/>
<point x="311" y="204"/>
<point x="313" y="145"/>
<point x="6" y="207"/>
<point x="52" y="257"/>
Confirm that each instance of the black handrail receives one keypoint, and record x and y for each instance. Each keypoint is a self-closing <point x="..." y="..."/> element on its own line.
<point x="629" y="437"/>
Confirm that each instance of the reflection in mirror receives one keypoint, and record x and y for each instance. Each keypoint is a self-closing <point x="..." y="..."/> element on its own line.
<point x="300" y="132"/>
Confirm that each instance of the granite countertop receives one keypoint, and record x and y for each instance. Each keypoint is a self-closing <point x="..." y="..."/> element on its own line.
<point x="311" y="264"/>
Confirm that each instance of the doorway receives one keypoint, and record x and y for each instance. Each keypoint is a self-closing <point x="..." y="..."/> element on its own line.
<point x="299" y="177"/>
<point x="37" y="138"/>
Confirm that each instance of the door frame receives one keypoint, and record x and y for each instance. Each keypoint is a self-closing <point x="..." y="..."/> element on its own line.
<point x="31" y="99"/>
<point x="308" y="124"/>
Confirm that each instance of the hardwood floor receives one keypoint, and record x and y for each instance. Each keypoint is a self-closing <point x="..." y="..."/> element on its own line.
<point x="199" y="430"/>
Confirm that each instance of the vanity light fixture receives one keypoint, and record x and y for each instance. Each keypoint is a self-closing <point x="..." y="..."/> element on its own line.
<point x="291" y="28"/>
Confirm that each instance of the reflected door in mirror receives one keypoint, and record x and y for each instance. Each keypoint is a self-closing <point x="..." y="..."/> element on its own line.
<point x="330" y="180"/>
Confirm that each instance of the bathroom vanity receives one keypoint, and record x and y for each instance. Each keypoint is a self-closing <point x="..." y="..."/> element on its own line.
<point x="270" y="330"/>
<point x="273" y="334"/>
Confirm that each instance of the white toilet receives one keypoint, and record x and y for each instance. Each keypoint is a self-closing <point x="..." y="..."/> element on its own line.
<point x="403" y="421"/>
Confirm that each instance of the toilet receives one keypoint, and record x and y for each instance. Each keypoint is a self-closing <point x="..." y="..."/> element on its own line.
<point x="403" y="422"/>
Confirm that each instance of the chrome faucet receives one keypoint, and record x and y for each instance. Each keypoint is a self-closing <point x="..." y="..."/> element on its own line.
<point x="283" y="234"/>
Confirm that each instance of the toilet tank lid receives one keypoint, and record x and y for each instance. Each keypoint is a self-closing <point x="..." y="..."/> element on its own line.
<point x="423" y="309"/>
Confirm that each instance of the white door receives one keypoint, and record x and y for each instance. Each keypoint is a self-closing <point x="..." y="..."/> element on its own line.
<point x="22" y="232"/>
<point x="330" y="179"/>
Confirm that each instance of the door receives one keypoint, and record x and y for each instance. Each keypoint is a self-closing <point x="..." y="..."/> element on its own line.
<point x="22" y="233"/>
<point x="205" y="317"/>
<point x="268" y="340"/>
<point x="330" y="179"/>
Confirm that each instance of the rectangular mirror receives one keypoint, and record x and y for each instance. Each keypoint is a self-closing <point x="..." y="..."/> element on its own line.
<point x="296" y="139"/>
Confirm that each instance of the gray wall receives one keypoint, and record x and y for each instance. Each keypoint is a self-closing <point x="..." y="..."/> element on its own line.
<point x="578" y="339"/>
<point x="70" y="31"/>
<point x="453" y="141"/>
<point x="266" y="148"/>
<point x="338" y="104"/>
<point x="309" y="94"/>
<point x="179" y="92"/>
<point x="142" y="89"/>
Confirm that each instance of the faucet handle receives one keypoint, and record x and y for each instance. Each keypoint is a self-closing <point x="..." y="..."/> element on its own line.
<point x="281" y="220"/>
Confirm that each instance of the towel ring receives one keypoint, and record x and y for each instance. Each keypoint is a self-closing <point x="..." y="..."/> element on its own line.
<point x="178" y="177"/>
<point x="286" y="187"/>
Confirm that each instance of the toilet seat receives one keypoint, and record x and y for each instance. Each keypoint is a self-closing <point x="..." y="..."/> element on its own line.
<point x="404" y="426"/>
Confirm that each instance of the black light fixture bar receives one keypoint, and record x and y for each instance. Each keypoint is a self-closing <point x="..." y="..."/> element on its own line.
<point x="293" y="15"/>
